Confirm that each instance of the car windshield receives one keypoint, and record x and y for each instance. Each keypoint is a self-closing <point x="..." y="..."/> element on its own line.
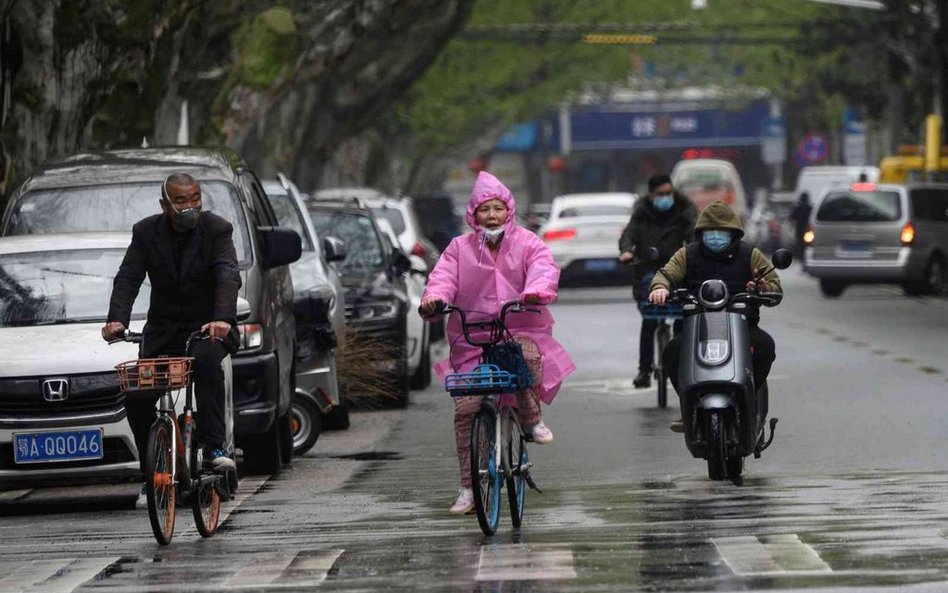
<point x="289" y="216"/>
<point x="596" y="210"/>
<point x="393" y="216"/>
<point x="870" y="206"/>
<point x="116" y="207"/>
<point x="51" y="287"/>
<point x="364" y="251"/>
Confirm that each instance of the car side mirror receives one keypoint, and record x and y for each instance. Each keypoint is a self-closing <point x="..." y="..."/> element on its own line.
<point x="418" y="265"/>
<point x="782" y="259"/>
<point x="243" y="309"/>
<point x="400" y="262"/>
<point x="280" y="246"/>
<point x="334" y="249"/>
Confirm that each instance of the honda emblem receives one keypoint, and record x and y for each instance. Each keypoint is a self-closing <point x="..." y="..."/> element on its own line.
<point x="55" y="390"/>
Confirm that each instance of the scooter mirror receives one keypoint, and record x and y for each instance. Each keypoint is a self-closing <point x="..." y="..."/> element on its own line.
<point x="650" y="254"/>
<point x="782" y="259"/>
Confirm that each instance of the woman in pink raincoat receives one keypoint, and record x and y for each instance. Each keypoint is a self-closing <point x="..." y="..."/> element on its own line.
<point x="499" y="262"/>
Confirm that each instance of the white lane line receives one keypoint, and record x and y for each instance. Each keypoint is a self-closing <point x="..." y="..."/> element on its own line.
<point x="525" y="562"/>
<point x="769" y="555"/>
<point x="247" y="488"/>
<point x="11" y="495"/>
<point x="60" y="575"/>
<point x="277" y="570"/>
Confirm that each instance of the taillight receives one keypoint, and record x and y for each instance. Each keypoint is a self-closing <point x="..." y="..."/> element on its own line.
<point x="419" y="250"/>
<point x="908" y="234"/>
<point x="251" y="335"/>
<point x="559" y="235"/>
<point x="808" y="237"/>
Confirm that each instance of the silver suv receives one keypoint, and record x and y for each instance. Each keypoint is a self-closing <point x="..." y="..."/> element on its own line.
<point x="888" y="233"/>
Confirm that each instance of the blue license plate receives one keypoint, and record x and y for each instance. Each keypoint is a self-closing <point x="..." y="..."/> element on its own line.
<point x="60" y="445"/>
<point x="855" y="246"/>
<point x="601" y="265"/>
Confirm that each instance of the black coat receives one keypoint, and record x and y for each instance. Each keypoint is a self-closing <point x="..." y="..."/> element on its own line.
<point x="203" y="289"/>
<point x="665" y="231"/>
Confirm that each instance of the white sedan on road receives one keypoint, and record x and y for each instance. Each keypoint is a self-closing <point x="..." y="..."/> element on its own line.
<point x="583" y="234"/>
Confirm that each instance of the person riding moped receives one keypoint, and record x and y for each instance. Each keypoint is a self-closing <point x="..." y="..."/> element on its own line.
<point x="191" y="263"/>
<point x="479" y="272"/>
<point x="664" y="220"/>
<point x="719" y="253"/>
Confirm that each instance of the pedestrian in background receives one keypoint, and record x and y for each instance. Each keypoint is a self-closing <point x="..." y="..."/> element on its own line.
<point x="665" y="220"/>
<point x="800" y="215"/>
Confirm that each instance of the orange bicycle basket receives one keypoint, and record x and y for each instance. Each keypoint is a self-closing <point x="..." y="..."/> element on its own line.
<point x="145" y="374"/>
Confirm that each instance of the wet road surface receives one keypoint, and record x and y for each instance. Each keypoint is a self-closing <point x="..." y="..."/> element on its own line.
<point x="852" y="496"/>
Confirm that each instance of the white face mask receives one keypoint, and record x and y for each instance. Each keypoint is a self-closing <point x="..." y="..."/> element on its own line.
<point x="493" y="235"/>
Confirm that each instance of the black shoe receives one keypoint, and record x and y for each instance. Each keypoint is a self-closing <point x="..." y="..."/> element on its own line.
<point x="643" y="379"/>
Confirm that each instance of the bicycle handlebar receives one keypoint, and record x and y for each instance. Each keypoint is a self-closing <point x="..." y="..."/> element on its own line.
<point x="496" y="326"/>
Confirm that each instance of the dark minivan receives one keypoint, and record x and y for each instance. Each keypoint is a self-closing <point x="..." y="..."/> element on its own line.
<point x="112" y="190"/>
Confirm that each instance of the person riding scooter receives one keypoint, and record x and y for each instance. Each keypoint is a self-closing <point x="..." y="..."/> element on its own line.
<point x="719" y="253"/>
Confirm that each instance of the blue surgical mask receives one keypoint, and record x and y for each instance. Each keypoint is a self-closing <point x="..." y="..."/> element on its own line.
<point x="716" y="240"/>
<point x="663" y="203"/>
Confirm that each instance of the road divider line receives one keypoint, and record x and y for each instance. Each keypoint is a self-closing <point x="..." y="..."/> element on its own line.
<point x="769" y="555"/>
<point x="32" y="573"/>
<point x="309" y="568"/>
<point x="525" y="562"/>
<point x="74" y="575"/>
<point x="261" y="569"/>
<point x="11" y="495"/>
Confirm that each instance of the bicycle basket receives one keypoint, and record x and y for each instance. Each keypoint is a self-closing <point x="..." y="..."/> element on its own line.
<point x="147" y="374"/>
<point x="485" y="379"/>
<point x="508" y="356"/>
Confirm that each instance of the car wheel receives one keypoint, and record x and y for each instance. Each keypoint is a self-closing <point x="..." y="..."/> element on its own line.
<point x="832" y="288"/>
<point x="401" y="382"/>
<point x="935" y="276"/>
<point x="305" y="421"/>
<point x="263" y="452"/>
<point x="422" y="377"/>
<point x="286" y="436"/>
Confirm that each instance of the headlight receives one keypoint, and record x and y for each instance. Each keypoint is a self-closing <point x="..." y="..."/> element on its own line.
<point x="251" y="335"/>
<point x="374" y="311"/>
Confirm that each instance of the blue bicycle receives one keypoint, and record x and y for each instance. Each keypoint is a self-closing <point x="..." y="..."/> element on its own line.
<point x="498" y="441"/>
<point x="668" y="316"/>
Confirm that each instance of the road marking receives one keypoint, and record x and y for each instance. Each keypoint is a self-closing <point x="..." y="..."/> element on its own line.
<point x="60" y="575"/>
<point x="10" y="495"/>
<point x="769" y="555"/>
<point x="297" y="569"/>
<point x="525" y="562"/>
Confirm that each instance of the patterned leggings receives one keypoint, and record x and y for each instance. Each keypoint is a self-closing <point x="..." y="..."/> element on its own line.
<point x="528" y="409"/>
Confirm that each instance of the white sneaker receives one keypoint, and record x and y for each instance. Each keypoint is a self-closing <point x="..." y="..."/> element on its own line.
<point x="541" y="434"/>
<point x="465" y="502"/>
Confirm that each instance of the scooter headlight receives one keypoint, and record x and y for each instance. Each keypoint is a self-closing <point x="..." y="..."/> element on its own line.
<point x="713" y="294"/>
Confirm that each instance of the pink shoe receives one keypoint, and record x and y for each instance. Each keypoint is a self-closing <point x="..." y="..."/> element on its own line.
<point x="465" y="502"/>
<point x="541" y="434"/>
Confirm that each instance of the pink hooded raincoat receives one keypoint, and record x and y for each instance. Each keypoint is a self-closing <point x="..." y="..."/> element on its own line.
<point x="467" y="276"/>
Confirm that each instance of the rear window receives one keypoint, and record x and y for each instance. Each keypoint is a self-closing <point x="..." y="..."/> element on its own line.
<point x="870" y="206"/>
<point x="596" y="210"/>
<point x="117" y="207"/>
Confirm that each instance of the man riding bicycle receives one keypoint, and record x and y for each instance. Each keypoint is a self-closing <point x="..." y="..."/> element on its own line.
<point x="191" y="263"/>
<point x="664" y="220"/>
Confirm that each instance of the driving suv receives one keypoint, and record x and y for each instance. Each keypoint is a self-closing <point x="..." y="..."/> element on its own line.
<point x="373" y="275"/>
<point x="112" y="190"/>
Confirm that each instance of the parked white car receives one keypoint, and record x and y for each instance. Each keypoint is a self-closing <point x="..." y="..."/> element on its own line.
<point x="583" y="234"/>
<point x="418" y="334"/>
<point x="400" y="215"/>
<point x="62" y="416"/>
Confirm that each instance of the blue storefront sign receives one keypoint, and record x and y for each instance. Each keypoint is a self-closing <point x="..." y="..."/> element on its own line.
<point x="622" y="127"/>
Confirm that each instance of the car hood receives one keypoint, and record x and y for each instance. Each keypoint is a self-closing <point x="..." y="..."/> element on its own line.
<point x="61" y="350"/>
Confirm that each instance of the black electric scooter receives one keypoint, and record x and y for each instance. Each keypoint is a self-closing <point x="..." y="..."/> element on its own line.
<point x="724" y="413"/>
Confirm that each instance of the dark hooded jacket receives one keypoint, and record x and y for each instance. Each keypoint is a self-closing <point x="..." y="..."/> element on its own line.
<point x="665" y="231"/>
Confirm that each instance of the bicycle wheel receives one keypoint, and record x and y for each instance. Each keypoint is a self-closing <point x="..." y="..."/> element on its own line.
<point x="205" y="498"/>
<point x="160" y="491"/>
<point x="517" y="460"/>
<point x="662" y="338"/>
<point x="485" y="475"/>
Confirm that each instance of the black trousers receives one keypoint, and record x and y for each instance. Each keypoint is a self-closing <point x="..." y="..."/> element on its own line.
<point x="647" y="342"/>
<point x="208" y="379"/>
<point x="763" y="356"/>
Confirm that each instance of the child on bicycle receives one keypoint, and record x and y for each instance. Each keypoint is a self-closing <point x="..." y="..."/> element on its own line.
<point x="499" y="262"/>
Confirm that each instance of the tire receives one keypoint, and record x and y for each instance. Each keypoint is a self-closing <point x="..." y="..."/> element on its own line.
<point x="717" y="456"/>
<point x="485" y="475"/>
<point x="305" y="424"/>
<point x="422" y="377"/>
<point x="286" y="437"/>
<point x="401" y="382"/>
<point x="935" y="276"/>
<point x="662" y="338"/>
<point x="832" y="289"/>
<point x="337" y="418"/>
<point x="160" y="491"/>
<point x="263" y="452"/>
<point x="517" y="460"/>
<point x="205" y="499"/>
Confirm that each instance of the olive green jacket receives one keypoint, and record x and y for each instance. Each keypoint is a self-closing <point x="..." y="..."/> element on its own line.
<point x="717" y="215"/>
